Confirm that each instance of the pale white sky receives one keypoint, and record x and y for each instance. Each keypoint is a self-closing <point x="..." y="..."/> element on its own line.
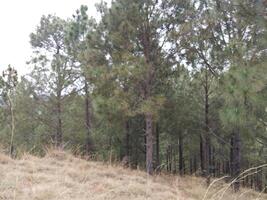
<point x="19" y="18"/>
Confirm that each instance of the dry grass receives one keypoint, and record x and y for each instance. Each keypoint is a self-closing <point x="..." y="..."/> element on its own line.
<point x="61" y="176"/>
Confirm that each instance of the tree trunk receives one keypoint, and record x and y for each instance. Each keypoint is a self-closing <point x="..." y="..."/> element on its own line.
<point x="207" y="134"/>
<point x="201" y="153"/>
<point x="232" y="155"/>
<point x="149" y="55"/>
<point x="145" y="138"/>
<point x="171" y="159"/>
<point x="59" y="122"/>
<point x="149" y="143"/>
<point x="191" y="165"/>
<point x="181" y="156"/>
<point x="127" y="138"/>
<point x="11" y="151"/>
<point x="58" y="103"/>
<point x="167" y="158"/>
<point x="157" y="147"/>
<point x="88" y="116"/>
<point x="263" y="179"/>
<point x="236" y="158"/>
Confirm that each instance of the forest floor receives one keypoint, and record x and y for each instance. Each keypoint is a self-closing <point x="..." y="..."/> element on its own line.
<point x="62" y="176"/>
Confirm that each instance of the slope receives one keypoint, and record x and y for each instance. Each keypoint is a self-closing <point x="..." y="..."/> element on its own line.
<point x="61" y="176"/>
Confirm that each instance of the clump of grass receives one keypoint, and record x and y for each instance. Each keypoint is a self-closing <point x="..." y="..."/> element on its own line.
<point x="222" y="191"/>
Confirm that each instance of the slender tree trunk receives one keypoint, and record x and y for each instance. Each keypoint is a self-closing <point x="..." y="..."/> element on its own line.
<point x="167" y="158"/>
<point x="181" y="154"/>
<point x="88" y="117"/>
<point x="171" y="159"/>
<point x="145" y="138"/>
<point x="149" y="143"/>
<point x="157" y="146"/>
<point x="236" y="157"/>
<point x="232" y="155"/>
<point x="212" y="161"/>
<point x="174" y="160"/>
<point x="58" y="103"/>
<point x="12" y="125"/>
<point x="263" y="179"/>
<point x="191" y="165"/>
<point x="136" y="153"/>
<point x="204" y="155"/>
<point x="59" y="123"/>
<point x="127" y="138"/>
<point x="207" y="134"/>
<point x="201" y="153"/>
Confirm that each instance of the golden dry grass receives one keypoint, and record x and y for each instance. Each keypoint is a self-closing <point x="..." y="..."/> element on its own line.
<point x="61" y="176"/>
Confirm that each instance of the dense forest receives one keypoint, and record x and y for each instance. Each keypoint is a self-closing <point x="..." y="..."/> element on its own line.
<point x="176" y="86"/>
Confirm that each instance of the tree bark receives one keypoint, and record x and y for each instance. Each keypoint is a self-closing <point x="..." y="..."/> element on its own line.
<point x="88" y="117"/>
<point x="157" y="147"/>
<point x="149" y="143"/>
<point x="58" y="102"/>
<point x="236" y="158"/>
<point x="11" y="151"/>
<point x="167" y="157"/>
<point x="59" y="123"/>
<point x="201" y="153"/>
<point x="127" y="138"/>
<point x="181" y="156"/>
<point x="207" y="134"/>
<point x="231" y="155"/>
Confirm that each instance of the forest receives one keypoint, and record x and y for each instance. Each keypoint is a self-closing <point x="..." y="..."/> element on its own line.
<point x="171" y="86"/>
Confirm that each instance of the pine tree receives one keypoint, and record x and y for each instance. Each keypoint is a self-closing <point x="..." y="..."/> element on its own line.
<point x="8" y="81"/>
<point x="53" y="73"/>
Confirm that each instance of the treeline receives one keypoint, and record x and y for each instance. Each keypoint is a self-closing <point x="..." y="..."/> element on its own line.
<point x="165" y="85"/>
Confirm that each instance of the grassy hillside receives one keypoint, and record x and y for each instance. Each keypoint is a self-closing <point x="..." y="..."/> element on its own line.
<point x="61" y="176"/>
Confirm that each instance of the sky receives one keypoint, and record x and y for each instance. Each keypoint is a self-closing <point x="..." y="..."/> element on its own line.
<point x="19" y="18"/>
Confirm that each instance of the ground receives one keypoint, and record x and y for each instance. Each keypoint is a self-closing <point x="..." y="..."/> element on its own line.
<point x="61" y="176"/>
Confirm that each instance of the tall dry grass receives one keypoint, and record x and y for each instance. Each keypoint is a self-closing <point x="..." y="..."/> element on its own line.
<point x="59" y="175"/>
